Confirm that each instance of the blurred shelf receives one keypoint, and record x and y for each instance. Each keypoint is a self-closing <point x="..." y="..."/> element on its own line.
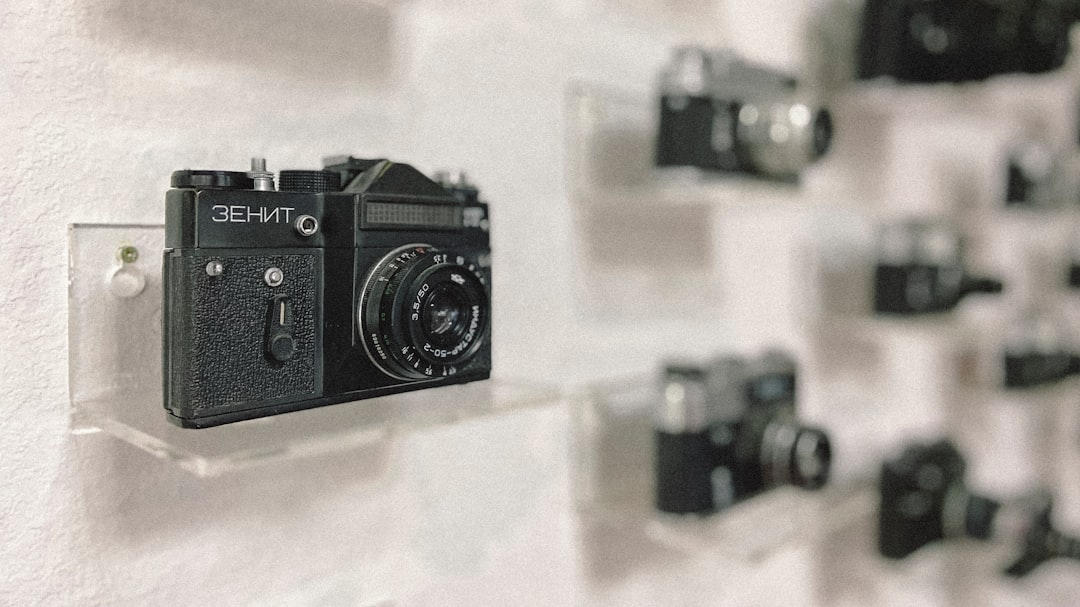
<point x="782" y="547"/>
<point x="139" y="419"/>
<point x="610" y="147"/>
<point x="114" y="314"/>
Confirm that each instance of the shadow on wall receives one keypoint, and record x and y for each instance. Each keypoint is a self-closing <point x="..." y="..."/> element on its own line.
<point x="133" y="500"/>
<point x="309" y="41"/>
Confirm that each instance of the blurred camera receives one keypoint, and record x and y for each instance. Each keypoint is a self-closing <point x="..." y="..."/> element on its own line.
<point x="727" y="431"/>
<point x="720" y="112"/>
<point x="924" y="499"/>
<point x="919" y="270"/>
<point x="928" y="41"/>
<point x="356" y="281"/>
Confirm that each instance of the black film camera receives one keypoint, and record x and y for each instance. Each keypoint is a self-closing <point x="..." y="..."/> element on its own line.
<point x="720" y="112"/>
<point x="924" y="499"/>
<point x="919" y="270"/>
<point x="728" y="431"/>
<point x="360" y="280"/>
<point x="959" y="40"/>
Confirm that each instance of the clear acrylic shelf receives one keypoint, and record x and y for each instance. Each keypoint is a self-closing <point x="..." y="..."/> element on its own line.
<point x="114" y="350"/>
<point x="614" y="482"/>
<point x="785" y="546"/>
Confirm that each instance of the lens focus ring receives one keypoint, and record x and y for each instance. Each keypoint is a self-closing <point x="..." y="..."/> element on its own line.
<point x="423" y="312"/>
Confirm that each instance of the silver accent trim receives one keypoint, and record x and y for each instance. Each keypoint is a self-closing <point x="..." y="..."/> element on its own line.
<point x="306" y="231"/>
<point x="263" y="179"/>
<point x="364" y="294"/>
<point x="954" y="512"/>
<point x="274" y="277"/>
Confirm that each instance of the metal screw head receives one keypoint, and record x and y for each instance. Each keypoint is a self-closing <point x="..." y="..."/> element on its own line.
<point x="128" y="254"/>
<point x="274" y="277"/>
<point x="215" y="268"/>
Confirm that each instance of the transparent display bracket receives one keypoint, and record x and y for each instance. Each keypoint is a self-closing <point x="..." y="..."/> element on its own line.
<point x="614" y="482"/>
<point x="611" y="142"/>
<point x="114" y="335"/>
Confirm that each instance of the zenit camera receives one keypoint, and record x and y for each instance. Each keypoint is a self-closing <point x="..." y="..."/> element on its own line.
<point x="728" y="430"/>
<point x="928" y="41"/>
<point x="360" y="280"/>
<point x="720" y="112"/>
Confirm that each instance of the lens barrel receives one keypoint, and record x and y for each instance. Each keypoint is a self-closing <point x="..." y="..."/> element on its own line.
<point x="423" y="312"/>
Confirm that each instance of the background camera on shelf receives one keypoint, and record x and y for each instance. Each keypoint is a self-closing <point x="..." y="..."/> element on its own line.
<point x="920" y="270"/>
<point x="360" y="280"/>
<point x="719" y="112"/>
<point x="727" y="430"/>
<point x="918" y="41"/>
<point x="924" y="499"/>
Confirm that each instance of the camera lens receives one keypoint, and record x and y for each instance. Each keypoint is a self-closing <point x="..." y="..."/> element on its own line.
<point x="443" y="311"/>
<point x="811" y="459"/>
<point x="424" y="312"/>
<point x="795" y="455"/>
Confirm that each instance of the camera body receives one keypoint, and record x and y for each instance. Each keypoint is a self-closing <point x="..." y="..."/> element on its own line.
<point x="719" y="112"/>
<point x="924" y="499"/>
<point x="728" y="431"/>
<point x="928" y="41"/>
<point x="920" y="270"/>
<point x="360" y="280"/>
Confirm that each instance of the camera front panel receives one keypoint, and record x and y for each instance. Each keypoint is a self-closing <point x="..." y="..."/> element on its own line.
<point x="913" y="490"/>
<point x="697" y="132"/>
<point x="242" y="332"/>
<point x="916" y="288"/>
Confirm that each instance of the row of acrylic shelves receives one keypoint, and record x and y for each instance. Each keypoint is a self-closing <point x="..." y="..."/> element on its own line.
<point x="116" y="384"/>
<point x="784" y="546"/>
<point x="781" y="547"/>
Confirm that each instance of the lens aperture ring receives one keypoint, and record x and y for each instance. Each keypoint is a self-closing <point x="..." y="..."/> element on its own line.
<point x="424" y="313"/>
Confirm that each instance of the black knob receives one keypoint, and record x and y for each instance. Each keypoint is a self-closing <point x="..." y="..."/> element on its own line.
<point x="282" y="347"/>
<point x="280" y="344"/>
<point x="309" y="181"/>
<point x="212" y="180"/>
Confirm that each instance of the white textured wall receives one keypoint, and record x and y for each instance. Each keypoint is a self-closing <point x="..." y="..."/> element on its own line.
<point x="102" y="100"/>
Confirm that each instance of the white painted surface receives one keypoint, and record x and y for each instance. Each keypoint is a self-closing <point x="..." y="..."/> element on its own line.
<point x="102" y="100"/>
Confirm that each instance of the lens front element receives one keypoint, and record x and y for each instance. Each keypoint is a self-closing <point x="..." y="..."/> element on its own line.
<point x="424" y="312"/>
